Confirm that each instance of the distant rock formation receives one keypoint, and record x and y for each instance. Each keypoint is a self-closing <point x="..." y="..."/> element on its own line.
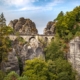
<point x="50" y="28"/>
<point x="24" y="26"/>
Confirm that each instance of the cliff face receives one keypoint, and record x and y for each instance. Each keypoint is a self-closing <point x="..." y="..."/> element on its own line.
<point x="50" y="28"/>
<point x="20" y="52"/>
<point x="74" y="53"/>
<point x="26" y="50"/>
<point x="24" y="26"/>
<point x="12" y="63"/>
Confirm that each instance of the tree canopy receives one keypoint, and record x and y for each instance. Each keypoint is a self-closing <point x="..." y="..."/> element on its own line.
<point x="69" y="25"/>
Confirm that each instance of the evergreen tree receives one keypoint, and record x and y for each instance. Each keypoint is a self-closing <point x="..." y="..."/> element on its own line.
<point x="60" y="15"/>
<point x="2" y="20"/>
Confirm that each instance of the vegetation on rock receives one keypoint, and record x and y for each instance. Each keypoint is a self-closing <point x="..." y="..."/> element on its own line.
<point x="5" y="42"/>
<point x="55" y="66"/>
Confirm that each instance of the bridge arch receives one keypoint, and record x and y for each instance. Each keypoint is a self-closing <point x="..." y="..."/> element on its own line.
<point x="52" y="38"/>
<point x="46" y="39"/>
<point x="31" y="38"/>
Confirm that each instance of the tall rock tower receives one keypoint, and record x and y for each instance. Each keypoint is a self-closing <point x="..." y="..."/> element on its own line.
<point x="24" y="26"/>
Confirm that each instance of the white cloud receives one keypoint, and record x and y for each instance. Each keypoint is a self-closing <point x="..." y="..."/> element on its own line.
<point x="48" y="6"/>
<point x="30" y="8"/>
<point x="23" y="5"/>
<point x="55" y="2"/>
<point x="18" y="2"/>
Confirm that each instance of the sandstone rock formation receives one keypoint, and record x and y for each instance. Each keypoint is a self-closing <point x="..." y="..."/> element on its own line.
<point x="50" y="28"/>
<point x="21" y="52"/>
<point x="74" y="53"/>
<point x="30" y="50"/>
<point x="11" y="64"/>
<point x="24" y="26"/>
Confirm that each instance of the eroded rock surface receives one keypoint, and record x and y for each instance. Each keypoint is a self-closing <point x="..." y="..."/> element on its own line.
<point x="32" y="50"/>
<point x="74" y="53"/>
<point x="24" y="26"/>
<point x="20" y="53"/>
<point x="50" y="28"/>
<point x="12" y="63"/>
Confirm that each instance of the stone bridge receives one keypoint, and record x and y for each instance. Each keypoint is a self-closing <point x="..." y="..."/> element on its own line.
<point x="37" y="37"/>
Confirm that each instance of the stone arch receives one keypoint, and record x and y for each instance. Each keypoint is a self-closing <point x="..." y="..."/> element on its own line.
<point x="17" y="39"/>
<point x="31" y="38"/>
<point x="46" y="39"/>
<point x="52" y="38"/>
<point x="33" y="42"/>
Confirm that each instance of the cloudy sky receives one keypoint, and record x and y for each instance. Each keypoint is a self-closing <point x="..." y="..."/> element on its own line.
<point x="39" y="11"/>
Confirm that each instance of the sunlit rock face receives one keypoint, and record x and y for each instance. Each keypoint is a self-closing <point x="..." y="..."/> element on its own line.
<point x="35" y="48"/>
<point x="24" y="26"/>
<point x="50" y="28"/>
<point x="11" y="64"/>
<point x="32" y="50"/>
<point x="74" y="53"/>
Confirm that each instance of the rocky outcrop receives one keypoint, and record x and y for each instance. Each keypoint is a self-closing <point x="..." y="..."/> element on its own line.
<point x="31" y="50"/>
<point x="21" y="52"/>
<point x="28" y="50"/>
<point x="24" y="26"/>
<point x="12" y="63"/>
<point x="50" y="28"/>
<point x="74" y="53"/>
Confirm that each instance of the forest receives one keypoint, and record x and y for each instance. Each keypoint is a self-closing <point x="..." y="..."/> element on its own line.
<point x="56" y="65"/>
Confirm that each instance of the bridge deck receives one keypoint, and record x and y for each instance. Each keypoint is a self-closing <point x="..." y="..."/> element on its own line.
<point x="31" y="35"/>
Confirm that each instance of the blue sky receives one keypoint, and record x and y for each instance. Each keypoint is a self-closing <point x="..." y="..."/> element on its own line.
<point x="39" y="11"/>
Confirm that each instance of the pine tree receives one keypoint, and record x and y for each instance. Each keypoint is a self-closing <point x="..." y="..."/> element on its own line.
<point x="2" y="20"/>
<point x="60" y="15"/>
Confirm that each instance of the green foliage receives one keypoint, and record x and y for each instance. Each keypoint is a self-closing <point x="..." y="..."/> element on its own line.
<point x="54" y="51"/>
<point x="2" y="75"/>
<point x="2" y="20"/>
<point x="60" y="15"/>
<point x="12" y="76"/>
<point x="51" y="70"/>
<point x="56" y="66"/>
<point x="23" y="78"/>
<point x="5" y="42"/>
<point x="42" y="42"/>
<point x="77" y="13"/>
<point x="21" y="40"/>
<point x="36" y="69"/>
<point x="61" y="69"/>
<point x="64" y="70"/>
<point x="68" y="25"/>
